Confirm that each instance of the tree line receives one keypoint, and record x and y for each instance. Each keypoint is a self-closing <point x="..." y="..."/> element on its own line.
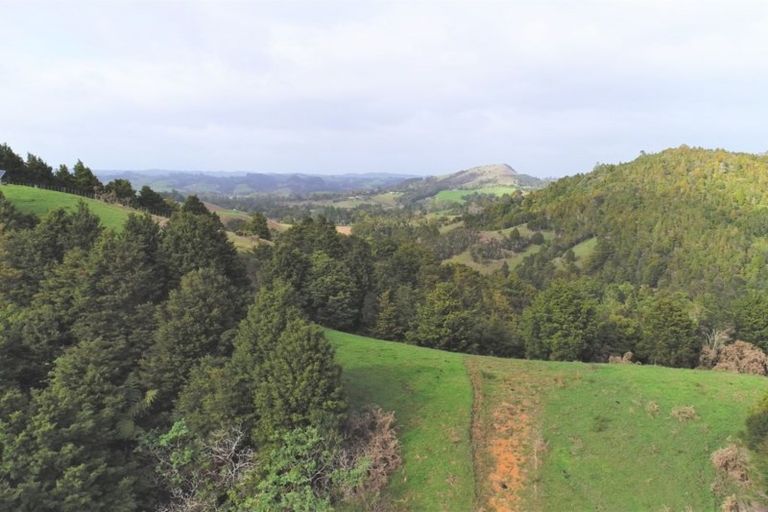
<point x="34" y="171"/>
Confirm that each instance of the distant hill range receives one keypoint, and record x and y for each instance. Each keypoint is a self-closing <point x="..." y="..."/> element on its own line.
<point x="245" y="184"/>
<point x="476" y="179"/>
<point x="299" y="184"/>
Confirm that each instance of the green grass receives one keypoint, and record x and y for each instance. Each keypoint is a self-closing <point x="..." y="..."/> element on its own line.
<point x="431" y="395"/>
<point x="606" y="452"/>
<point x="493" y="265"/>
<point x="457" y="195"/>
<point x="602" y="448"/>
<point x="40" y="201"/>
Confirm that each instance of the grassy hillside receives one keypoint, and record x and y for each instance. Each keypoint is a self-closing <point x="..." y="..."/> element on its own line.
<point x="40" y="201"/>
<point x="457" y="195"/>
<point x="431" y="395"/>
<point x="545" y="435"/>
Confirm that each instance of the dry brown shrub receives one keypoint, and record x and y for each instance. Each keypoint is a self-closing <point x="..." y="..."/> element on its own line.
<point x="372" y="438"/>
<point x="742" y="357"/>
<point x="627" y="358"/>
<point x="731" y="504"/>
<point x="684" y="413"/>
<point x="733" y="462"/>
<point x="708" y="357"/>
<point x="652" y="408"/>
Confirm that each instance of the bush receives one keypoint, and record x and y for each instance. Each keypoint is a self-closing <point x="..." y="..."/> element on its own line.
<point x="372" y="444"/>
<point x="742" y="357"/>
<point x="627" y="358"/>
<point x="732" y="462"/>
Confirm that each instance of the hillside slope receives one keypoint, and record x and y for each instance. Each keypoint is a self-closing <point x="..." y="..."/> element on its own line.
<point x="495" y="178"/>
<point x="547" y="436"/>
<point x="39" y="201"/>
<point x="685" y="218"/>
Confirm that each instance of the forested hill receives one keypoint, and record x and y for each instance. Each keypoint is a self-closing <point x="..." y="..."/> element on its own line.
<point x="686" y="218"/>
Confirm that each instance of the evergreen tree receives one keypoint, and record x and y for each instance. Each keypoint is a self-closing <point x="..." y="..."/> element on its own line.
<point x="122" y="283"/>
<point x="84" y="180"/>
<point x="299" y="383"/>
<point x="194" y="205"/>
<point x="63" y="178"/>
<point x="196" y="321"/>
<point x="37" y="171"/>
<point x="257" y="225"/>
<point x="192" y="241"/>
<point x="281" y="374"/>
<point x="388" y="325"/>
<point x="561" y="322"/>
<point x="751" y="318"/>
<point x="70" y="449"/>
<point x="332" y="293"/>
<point x="121" y="191"/>
<point x="153" y="202"/>
<point x="12" y="218"/>
<point x="443" y="322"/>
<point x="669" y="335"/>
<point x="13" y="165"/>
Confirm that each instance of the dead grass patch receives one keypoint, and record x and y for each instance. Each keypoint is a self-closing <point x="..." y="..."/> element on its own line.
<point x="684" y="413"/>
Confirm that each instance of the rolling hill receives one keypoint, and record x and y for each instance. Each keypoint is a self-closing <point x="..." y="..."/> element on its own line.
<point x="495" y="179"/>
<point x="244" y="184"/>
<point x="482" y="433"/>
<point x="39" y="201"/>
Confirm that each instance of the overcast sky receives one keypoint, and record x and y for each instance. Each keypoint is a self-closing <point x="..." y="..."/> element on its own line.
<point x="420" y="87"/>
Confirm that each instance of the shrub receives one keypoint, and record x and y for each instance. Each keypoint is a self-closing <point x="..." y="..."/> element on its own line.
<point x="372" y="444"/>
<point x="742" y="357"/>
<point x="625" y="359"/>
<point x="732" y="462"/>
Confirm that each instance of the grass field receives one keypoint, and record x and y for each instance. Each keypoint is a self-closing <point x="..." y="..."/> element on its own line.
<point x="457" y="195"/>
<point x="493" y="265"/>
<point x="40" y="201"/>
<point x="431" y="395"/>
<point x="546" y="436"/>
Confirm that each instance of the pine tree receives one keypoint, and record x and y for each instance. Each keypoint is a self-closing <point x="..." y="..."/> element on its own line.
<point x="191" y="241"/>
<point x="258" y="226"/>
<point x="561" y="322"/>
<point x="388" y="325"/>
<point x="443" y="322"/>
<point x="194" y="205"/>
<point x="84" y="180"/>
<point x="70" y="449"/>
<point x="196" y="321"/>
<point x="332" y="293"/>
<point x="299" y="383"/>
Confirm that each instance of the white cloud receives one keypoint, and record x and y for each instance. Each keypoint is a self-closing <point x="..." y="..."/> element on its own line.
<point x="549" y="87"/>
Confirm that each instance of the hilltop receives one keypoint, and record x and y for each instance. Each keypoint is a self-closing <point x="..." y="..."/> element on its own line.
<point x="494" y="179"/>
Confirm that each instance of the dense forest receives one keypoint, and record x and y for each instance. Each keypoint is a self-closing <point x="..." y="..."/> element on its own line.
<point x="140" y="372"/>
<point x="158" y="368"/>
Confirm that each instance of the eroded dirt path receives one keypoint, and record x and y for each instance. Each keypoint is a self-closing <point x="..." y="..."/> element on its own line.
<point x="507" y="447"/>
